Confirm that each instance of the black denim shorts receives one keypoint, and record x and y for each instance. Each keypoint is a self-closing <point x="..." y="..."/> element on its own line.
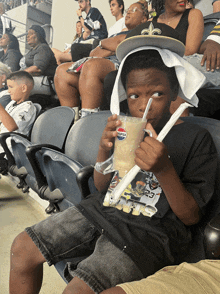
<point x="70" y="235"/>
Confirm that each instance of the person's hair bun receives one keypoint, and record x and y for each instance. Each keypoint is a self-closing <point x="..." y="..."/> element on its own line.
<point x="144" y="5"/>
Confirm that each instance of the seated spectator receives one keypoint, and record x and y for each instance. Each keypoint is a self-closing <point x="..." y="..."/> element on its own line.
<point x="5" y="97"/>
<point x="94" y="27"/>
<point x="19" y="114"/>
<point x="39" y="60"/>
<point x="187" y="22"/>
<point x="117" y="10"/>
<point x="65" y="56"/>
<point x="126" y="246"/>
<point x="94" y="71"/>
<point x="10" y="54"/>
<point x="190" y="26"/>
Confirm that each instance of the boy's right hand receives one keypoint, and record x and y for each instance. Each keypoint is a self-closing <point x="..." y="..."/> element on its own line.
<point x="109" y="134"/>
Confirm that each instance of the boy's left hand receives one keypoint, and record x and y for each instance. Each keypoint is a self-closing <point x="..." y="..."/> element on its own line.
<point x="152" y="155"/>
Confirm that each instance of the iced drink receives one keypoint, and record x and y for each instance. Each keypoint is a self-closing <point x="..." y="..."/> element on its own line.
<point x="130" y="135"/>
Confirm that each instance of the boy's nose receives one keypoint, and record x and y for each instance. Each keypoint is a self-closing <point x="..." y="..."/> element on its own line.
<point x="143" y="104"/>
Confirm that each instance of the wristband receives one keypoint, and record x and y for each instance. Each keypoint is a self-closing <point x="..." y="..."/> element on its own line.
<point x="100" y="44"/>
<point x="80" y="16"/>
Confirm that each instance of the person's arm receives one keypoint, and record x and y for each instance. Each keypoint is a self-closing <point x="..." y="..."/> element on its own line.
<point x="153" y="156"/>
<point x="106" y="145"/>
<point x="87" y="31"/>
<point x="12" y="60"/>
<point x="7" y="120"/>
<point x="216" y="6"/>
<point x="108" y="46"/>
<point x="210" y="49"/>
<point x="33" y="70"/>
<point x="195" y="32"/>
<point x="211" y="54"/>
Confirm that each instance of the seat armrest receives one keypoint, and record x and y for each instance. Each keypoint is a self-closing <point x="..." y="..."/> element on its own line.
<point x="82" y="178"/>
<point x="212" y="238"/>
<point x="31" y="155"/>
<point x="3" y="138"/>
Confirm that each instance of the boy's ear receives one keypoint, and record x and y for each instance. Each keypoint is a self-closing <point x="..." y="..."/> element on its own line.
<point x="174" y="97"/>
<point x="24" y="88"/>
<point x="175" y="92"/>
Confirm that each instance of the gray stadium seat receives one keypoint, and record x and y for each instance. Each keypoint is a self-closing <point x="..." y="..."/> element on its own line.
<point x="50" y="129"/>
<point x="81" y="148"/>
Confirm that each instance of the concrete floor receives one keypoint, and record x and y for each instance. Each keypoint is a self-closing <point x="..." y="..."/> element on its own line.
<point x="17" y="211"/>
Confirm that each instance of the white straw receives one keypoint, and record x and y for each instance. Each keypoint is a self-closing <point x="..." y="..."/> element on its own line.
<point x="147" y="109"/>
<point x="127" y="179"/>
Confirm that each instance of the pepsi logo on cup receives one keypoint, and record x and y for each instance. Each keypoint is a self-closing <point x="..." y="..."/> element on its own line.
<point x="121" y="134"/>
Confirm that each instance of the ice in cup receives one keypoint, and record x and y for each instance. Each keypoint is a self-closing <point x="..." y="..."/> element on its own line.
<point x="130" y="135"/>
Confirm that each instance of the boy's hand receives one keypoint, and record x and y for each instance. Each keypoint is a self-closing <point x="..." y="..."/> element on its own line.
<point x="79" y="12"/>
<point x="152" y="155"/>
<point x="110" y="133"/>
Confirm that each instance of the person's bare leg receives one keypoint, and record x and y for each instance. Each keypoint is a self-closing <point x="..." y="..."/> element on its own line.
<point x="91" y="81"/>
<point x="78" y="286"/>
<point x="26" y="269"/>
<point x="115" y="290"/>
<point x="175" y="104"/>
<point x="67" y="85"/>
<point x="61" y="57"/>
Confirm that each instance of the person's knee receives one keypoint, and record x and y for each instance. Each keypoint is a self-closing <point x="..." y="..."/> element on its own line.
<point x="97" y="68"/>
<point x="24" y="252"/>
<point x="91" y="67"/>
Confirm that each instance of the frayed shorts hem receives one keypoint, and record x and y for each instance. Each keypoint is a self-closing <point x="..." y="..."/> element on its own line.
<point x="87" y="278"/>
<point x="42" y="249"/>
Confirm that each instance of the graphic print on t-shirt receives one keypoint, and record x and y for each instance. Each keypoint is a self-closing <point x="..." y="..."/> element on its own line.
<point x="140" y="196"/>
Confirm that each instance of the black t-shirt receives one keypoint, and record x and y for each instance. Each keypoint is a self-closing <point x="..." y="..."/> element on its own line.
<point x="42" y="57"/>
<point x="194" y="157"/>
<point x="182" y="26"/>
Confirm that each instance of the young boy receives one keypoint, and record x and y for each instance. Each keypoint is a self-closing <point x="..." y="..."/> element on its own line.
<point x="117" y="10"/>
<point x="122" y="246"/>
<point x="19" y="114"/>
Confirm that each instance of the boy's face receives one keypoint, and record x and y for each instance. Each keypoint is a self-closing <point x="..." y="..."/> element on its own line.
<point x="83" y="4"/>
<point x="114" y="7"/>
<point x="16" y="90"/>
<point x="143" y="84"/>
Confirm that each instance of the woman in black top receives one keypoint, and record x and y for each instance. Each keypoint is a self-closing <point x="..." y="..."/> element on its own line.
<point x="187" y="22"/>
<point x="10" y="54"/>
<point x="39" y="61"/>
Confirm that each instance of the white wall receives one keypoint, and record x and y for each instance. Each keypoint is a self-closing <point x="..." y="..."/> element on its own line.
<point x="19" y="14"/>
<point x="64" y="18"/>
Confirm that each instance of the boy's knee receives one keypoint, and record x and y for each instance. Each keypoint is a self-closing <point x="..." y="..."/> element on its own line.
<point x="23" y="250"/>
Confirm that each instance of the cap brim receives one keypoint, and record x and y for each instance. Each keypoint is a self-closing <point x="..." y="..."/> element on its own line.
<point x="162" y="42"/>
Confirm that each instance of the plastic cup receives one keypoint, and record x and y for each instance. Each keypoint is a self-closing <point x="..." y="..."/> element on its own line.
<point x="130" y="135"/>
